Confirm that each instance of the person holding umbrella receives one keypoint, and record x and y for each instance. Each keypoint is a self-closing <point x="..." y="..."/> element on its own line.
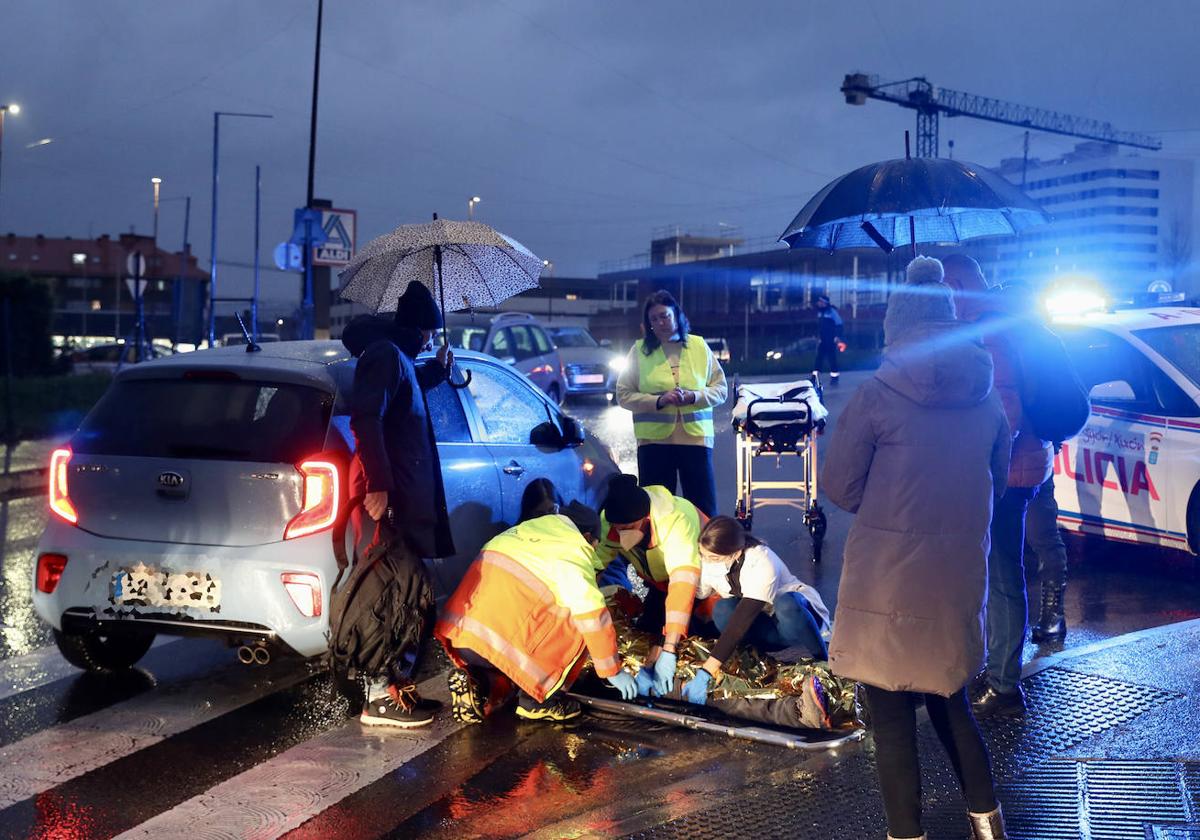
<point x="671" y="383"/>
<point x="396" y="466"/>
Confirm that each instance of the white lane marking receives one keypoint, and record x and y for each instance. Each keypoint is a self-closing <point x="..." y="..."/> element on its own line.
<point x="43" y="666"/>
<point x="52" y="756"/>
<point x="280" y="794"/>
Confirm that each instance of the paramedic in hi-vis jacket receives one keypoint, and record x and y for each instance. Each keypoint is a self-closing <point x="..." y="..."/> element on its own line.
<point x="671" y="383"/>
<point x="657" y="533"/>
<point x="528" y="611"/>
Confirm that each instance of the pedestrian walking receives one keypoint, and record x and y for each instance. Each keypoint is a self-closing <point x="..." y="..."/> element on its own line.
<point x="829" y="338"/>
<point x="658" y="535"/>
<point x="671" y="383"/>
<point x="996" y="319"/>
<point x="918" y="454"/>
<point x="529" y="612"/>
<point x="1044" y="537"/>
<point x="761" y="602"/>
<point x="396" y="467"/>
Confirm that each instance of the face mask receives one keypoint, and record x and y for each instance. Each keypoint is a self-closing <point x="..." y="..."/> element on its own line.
<point x="629" y="538"/>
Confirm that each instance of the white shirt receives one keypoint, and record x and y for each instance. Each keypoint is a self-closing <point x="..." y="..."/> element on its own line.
<point x="763" y="577"/>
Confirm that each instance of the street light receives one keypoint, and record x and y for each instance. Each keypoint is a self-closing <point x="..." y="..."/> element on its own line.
<point x="212" y="271"/>
<point x="11" y="108"/>
<point x="471" y="206"/>
<point x="157" y="182"/>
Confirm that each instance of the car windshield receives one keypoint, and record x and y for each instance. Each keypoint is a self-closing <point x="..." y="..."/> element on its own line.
<point x="1179" y="345"/>
<point x="218" y="419"/>
<point x="573" y="338"/>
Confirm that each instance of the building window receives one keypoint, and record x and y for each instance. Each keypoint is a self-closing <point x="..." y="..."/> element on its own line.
<point x="12" y="256"/>
<point x="36" y="257"/>
<point x="95" y="306"/>
<point x="78" y="259"/>
<point x="161" y="285"/>
<point x="95" y="259"/>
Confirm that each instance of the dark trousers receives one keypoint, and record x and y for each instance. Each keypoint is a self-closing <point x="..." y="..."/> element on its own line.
<point x="894" y="726"/>
<point x="690" y="467"/>
<point x="1007" y="608"/>
<point x="792" y="625"/>
<point x="827" y="356"/>
<point x="1043" y="536"/>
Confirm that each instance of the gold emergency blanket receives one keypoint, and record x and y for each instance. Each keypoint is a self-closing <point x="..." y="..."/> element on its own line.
<point x="750" y="681"/>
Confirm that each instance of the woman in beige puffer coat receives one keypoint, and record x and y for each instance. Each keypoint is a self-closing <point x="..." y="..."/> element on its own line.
<point x="919" y="454"/>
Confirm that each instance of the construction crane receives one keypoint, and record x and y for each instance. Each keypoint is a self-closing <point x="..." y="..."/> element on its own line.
<point x="930" y="102"/>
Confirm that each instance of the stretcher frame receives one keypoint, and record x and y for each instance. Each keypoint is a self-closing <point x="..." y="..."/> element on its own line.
<point x="803" y="493"/>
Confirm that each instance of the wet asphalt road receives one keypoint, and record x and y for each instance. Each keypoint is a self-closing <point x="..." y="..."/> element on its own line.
<point x="193" y="744"/>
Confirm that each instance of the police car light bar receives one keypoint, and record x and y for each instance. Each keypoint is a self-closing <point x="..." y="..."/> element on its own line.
<point x="1074" y="302"/>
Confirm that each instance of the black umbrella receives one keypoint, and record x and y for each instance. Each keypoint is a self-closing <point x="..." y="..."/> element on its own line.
<point x="906" y="201"/>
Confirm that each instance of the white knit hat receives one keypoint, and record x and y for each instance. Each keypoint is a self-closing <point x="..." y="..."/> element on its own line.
<point x="923" y="300"/>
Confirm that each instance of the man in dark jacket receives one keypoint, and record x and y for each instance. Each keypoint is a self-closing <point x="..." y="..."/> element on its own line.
<point x="396" y="465"/>
<point x="996" y="318"/>
<point x="829" y="337"/>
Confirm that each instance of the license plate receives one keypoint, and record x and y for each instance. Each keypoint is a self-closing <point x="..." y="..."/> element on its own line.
<point x="144" y="586"/>
<point x="590" y="378"/>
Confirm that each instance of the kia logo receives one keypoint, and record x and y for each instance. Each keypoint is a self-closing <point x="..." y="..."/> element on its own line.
<point x="170" y="479"/>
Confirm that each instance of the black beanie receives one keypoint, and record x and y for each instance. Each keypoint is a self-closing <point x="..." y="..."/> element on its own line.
<point x="416" y="308"/>
<point x="626" y="502"/>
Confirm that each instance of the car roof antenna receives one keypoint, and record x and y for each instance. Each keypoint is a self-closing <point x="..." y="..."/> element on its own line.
<point x="251" y="347"/>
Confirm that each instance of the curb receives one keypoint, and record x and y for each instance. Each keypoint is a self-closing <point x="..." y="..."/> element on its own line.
<point x="22" y="483"/>
<point x="1041" y="663"/>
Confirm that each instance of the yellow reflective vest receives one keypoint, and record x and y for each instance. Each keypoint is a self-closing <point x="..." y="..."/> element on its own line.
<point x="655" y="377"/>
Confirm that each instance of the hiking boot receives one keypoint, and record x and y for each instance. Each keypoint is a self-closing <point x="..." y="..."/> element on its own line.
<point x="401" y="706"/>
<point x="1052" y="624"/>
<point x="994" y="703"/>
<point x="465" y="703"/>
<point x="552" y="708"/>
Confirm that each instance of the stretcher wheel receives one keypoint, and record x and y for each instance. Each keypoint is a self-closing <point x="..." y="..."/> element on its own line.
<point x="743" y="516"/>
<point x="817" y="524"/>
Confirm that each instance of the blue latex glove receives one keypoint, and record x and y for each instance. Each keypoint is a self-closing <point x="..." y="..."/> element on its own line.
<point x="644" y="681"/>
<point x="624" y="682"/>
<point x="695" y="690"/>
<point x="664" y="673"/>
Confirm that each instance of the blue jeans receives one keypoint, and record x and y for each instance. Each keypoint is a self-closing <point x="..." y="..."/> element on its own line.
<point x="1007" y="610"/>
<point x="793" y="625"/>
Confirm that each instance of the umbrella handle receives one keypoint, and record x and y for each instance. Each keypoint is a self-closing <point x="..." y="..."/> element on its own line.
<point x="459" y="385"/>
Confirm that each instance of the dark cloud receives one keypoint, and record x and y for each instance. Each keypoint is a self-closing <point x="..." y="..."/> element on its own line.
<point x="582" y="125"/>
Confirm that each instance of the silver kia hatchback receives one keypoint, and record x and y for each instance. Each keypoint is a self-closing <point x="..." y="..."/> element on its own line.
<point x="199" y="495"/>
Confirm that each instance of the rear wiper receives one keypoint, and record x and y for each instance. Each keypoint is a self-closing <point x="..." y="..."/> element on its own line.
<point x="192" y="450"/>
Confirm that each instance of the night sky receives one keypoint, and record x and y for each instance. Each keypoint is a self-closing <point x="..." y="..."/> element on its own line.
<point x="583" y="126"/>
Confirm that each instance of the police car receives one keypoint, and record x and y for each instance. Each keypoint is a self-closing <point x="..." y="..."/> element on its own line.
<point x="1133" y="473"/>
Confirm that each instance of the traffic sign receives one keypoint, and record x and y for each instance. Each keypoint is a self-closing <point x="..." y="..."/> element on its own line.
<point x="135" y="264"/>
<point x="136" y="287"/>
<point x="288" y="257"/>
<point x="339" y="229"/>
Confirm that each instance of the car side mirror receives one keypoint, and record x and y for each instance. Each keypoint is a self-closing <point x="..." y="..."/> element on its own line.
<point x="604" y="342"/>
<point x="573" y="433"/>
<point x="1117" y="389"/>
<point x="546" y="436"/>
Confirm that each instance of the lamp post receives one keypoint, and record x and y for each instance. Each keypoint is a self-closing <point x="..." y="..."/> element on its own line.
<point x="156" y="182"/>
<point x="212" y="271"/>
<point x="11" y="108"/>
<point x="471" y="206"/>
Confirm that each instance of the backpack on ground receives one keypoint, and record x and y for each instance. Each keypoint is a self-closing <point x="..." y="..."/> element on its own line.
<point x="1053" y="397"/>
<point x="380" y="606"/>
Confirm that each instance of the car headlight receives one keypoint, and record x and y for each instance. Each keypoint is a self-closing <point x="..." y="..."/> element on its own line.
<point x="618" y="363"/>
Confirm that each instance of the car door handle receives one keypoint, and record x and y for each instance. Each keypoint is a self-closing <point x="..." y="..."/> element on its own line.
<point x="514" y="468"/>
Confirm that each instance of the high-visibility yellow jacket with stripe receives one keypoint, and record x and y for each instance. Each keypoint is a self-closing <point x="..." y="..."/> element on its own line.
<point x="696" y="362"/>
<point x="672" y="559"/>
<point x="530" y="605"/>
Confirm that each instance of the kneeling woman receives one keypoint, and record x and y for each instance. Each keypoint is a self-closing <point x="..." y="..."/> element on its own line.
<point x="528" y="611"/>
<point x="761" y="602"/>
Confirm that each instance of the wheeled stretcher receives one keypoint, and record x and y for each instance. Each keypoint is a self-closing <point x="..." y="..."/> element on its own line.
<point x="780" y="419"/>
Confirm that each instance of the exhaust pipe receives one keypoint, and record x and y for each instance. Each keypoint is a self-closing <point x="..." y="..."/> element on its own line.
<point x="262" y="655"/>
<point x="245" y="655"/>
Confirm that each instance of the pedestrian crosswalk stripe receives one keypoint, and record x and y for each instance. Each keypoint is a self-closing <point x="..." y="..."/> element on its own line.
<point x="282" y="793"/>
<point x="52" y="756"/>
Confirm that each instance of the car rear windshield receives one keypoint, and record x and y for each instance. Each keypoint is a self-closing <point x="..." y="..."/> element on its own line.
<point x="1179" y="345"/>
<point x="214" y="419"/>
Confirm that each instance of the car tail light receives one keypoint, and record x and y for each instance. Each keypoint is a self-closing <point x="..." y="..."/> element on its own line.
<point x="304" y="588"/>
<point x="49" y="571"/>
<point x="321" y="500"/>
<point x="60" y="500"/>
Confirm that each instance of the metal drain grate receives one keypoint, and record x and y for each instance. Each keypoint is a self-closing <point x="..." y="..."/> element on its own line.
<point x="1173" y="832"/>
<point x="1044" y="799"/>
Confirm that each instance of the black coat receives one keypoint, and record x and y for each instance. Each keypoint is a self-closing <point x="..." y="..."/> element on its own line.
<point x="396" y="447"/>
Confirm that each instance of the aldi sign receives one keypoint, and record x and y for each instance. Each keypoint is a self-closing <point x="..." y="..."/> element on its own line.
<point x="339" y="227"/>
